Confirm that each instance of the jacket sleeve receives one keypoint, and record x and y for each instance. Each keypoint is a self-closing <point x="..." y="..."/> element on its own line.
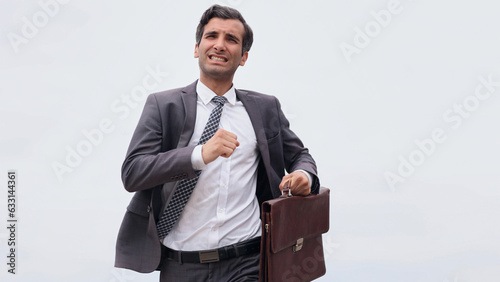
<point x="148" y="163"/>
<point x="296" y="156"/>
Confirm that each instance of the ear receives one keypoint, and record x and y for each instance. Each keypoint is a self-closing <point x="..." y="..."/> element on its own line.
<point x="244" y="58"/>
<point x="196" y="55"/>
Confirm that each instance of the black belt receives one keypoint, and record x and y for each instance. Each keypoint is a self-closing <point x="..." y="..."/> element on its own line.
<point x="239" y="249"/>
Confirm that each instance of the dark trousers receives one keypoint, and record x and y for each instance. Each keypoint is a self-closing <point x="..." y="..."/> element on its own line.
<point x="238" y="269"/>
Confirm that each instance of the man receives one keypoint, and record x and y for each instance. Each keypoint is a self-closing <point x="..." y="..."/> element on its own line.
<point x="212" y="232"/>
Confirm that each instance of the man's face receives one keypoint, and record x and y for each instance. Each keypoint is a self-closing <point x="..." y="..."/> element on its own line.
<point x="219" y="51"/>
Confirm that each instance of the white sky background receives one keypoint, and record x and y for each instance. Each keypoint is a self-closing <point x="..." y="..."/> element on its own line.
<point x="358" y="115"/>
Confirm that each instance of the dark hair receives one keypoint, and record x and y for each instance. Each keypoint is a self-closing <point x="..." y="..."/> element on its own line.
<point x="218" y="11"/>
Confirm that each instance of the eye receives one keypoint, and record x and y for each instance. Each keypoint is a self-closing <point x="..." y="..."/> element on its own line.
<point x="211" y="35"/>
<point x="232" y="39"/>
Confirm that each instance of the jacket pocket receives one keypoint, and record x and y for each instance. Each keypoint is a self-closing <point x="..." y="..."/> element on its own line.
<point x="274" y="139"/>
<point x="139" y="207"/>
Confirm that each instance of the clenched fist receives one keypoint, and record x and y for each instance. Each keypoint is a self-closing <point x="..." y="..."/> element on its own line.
<point x="298" y="183"/>
<point x="222" y="144"/>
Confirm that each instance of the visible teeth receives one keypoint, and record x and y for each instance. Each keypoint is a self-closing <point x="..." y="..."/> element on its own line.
<point x="218" y="59"/>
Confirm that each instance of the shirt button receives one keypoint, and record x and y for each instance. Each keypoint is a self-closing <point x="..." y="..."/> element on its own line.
<point x="221" y="210"/>
<point x="214" y="228"/>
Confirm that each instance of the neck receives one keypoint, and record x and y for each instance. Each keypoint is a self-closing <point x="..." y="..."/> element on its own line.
<point x="219" y="87"/>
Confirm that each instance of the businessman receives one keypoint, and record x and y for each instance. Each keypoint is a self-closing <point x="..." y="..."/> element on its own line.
<point x="202" y="160"/>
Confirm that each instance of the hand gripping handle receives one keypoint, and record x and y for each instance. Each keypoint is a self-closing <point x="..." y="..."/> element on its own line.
<point x="287" y="192"/>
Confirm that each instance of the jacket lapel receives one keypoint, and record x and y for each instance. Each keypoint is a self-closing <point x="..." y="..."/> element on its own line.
<point x="252" y="109"/>
<point x="189" y="98"/>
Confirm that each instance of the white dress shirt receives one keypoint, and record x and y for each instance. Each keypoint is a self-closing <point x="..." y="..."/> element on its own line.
<point x="223" y="208"/>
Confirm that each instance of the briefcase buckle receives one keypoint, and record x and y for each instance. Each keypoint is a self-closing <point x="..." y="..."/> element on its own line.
<point x="298" y="245"/>
<point x="209" y="256"/>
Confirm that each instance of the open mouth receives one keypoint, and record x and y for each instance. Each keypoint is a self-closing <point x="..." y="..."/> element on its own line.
<point x="217" y="59"/>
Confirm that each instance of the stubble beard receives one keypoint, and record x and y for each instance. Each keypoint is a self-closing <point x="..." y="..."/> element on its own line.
<point x="217" y="73"/>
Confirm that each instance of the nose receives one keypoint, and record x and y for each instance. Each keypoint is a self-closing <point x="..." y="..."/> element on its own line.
<point x="219" y="45"/>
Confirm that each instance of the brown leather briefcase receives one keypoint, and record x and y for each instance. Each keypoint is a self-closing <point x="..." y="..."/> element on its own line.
<point x="291" y="245"/>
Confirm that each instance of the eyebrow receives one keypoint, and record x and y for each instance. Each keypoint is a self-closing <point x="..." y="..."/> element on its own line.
<point x="227" y="34"/>
<point x="233" y="37"/>
<point x="211" y="33"/>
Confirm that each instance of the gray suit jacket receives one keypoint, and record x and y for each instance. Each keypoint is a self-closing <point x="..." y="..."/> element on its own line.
<point x="158" y="157"/>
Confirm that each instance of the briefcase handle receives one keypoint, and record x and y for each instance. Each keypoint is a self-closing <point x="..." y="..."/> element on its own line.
<point x="287" y="192"/>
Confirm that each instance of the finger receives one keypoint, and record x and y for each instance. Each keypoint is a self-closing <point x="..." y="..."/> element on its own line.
<point x="302" y="188"/>
<point x="226" y="134"/>
<point x="229" y="141"/>
<point x="300" y="184"/>
<point x="227" y="151"/>
<point x="284" y="180"/>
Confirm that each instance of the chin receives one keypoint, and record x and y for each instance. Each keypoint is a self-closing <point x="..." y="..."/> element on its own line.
<point x="218" y="74"/>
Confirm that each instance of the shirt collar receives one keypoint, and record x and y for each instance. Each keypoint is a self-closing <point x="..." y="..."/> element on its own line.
<point x="206" y="94"/>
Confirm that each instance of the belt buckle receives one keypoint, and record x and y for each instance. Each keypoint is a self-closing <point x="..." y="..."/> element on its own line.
<point x="209" y="256"/>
